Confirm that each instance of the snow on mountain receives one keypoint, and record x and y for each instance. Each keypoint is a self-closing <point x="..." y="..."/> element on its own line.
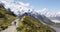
<point x="19" y="8"/>
<point x="16" y="6"/>
<point x="53" y="16"/>
<point x="48" y="13"/>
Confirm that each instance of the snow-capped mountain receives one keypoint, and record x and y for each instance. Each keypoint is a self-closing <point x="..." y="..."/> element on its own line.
<point x="20" y="8"/>
<point x="16" y="6"/>
<point x="54" y="16"/>
<point x="48" y="13"/>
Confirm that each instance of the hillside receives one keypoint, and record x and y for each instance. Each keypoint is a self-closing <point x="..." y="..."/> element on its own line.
<point x="29" y="24"/>
<point x="5" y="17"/>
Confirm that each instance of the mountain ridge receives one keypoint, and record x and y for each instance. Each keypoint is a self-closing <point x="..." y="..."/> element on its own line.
<point x="32" y="25"/>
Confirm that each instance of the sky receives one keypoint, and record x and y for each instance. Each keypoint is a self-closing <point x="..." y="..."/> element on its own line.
<point x="53" y="5"/>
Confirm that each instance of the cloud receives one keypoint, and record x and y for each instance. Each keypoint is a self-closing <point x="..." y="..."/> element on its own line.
<point x="26" y="4"/>
<point x="15" y="6"/>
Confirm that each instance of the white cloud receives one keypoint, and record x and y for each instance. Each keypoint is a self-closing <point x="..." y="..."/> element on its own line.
<point x="26" y="4"/>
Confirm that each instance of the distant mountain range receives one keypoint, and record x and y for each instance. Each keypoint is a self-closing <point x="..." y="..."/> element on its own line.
<point x="48" y="14"/>
<point x="23" y="9"/>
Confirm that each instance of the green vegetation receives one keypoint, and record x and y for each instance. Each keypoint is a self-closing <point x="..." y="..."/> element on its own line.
<point x="29" y="24"/>
<point x="5" y="18"/>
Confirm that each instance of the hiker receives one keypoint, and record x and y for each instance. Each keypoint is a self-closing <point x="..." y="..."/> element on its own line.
<point x="14" y="23"/>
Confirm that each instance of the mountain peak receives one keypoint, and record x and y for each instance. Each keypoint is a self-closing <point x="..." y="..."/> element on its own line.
<point x="45" y="9"/>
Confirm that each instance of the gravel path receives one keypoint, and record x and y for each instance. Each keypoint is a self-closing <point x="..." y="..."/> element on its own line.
<point x="12" y="28"/>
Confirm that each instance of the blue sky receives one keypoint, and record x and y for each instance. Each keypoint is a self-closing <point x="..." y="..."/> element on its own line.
<point x="52" y="5"/>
